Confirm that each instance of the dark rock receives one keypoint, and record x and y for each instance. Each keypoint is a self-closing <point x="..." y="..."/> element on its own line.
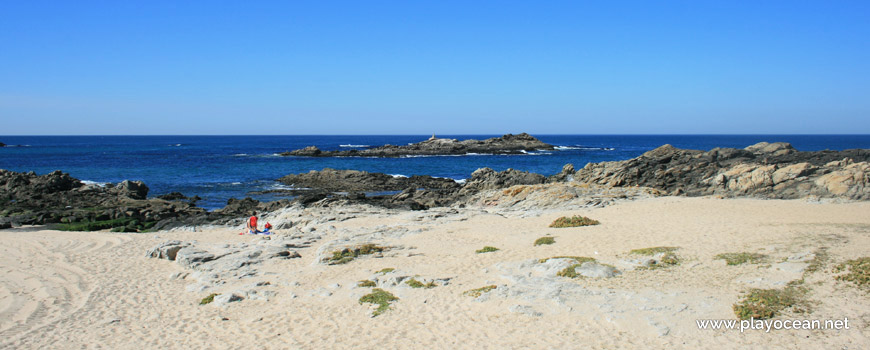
<point x="507" y="144"/>
<point x="173" y="196"/>
<point x="360" y="181"/>
<point x="566" y="174"/>
<point x="131" y="189"/>
<point x="59" y="198"/>
<point x="310" y="151"/>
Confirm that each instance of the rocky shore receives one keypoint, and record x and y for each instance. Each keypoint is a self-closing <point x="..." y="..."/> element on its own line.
<point x="507" y="144"/>
<point x="764" y="170"/>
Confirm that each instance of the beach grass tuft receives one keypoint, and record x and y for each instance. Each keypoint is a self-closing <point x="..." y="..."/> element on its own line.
<point x="379" y="297"/>
<point x="767" y="303"/>
<point x="857" y="272"/>
<point x="366" y="283"/>
<point x="486" y="249"/>
<point x="207" y="300"/>
<point x="545" y="241"/>
<point x="819" y="261"/>
<point x="387" y="270"/>
<point x="574" y="221"/>
<point x="653" y="250"/>
<point x="578" y="259"/>
<point x="413" y="283"/>
<point x="477" y="292"/>
<point x="741" y="258"/>
<point x="347" y="255"/>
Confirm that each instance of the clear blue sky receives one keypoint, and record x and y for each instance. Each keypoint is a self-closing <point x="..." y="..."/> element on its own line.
<point x="418" y="67"/>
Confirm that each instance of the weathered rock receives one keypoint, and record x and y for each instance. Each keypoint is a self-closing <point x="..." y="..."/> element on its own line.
<point x="507" y="144"/>
<point x="224" y="299"/>
<point x="566" y="174"/>
<point x="57" y="197"/>
<point x="488" y="179"/>
<point x="595" y="270"/>
<point x="770" y="170"/>
<point x="360" y="181"/>
<point x="166" y="250"/>
<point x="191" y="257"/>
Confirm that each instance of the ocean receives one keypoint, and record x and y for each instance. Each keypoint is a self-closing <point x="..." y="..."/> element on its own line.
<point x="217" y="168"/>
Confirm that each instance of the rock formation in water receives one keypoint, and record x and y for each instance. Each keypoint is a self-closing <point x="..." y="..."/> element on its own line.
<point x="507" y="144"/>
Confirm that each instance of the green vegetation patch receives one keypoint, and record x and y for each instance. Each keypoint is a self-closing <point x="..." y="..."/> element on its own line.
<point x="858" y="272"/>
<point x="578" y="259"/>
<point x="821" y="258"/>
<point x="486" y="249"/>
<point x="767" y="303"/>
<point x="569" y="271"/>
<point x="574" y="221"/>
<point x="741" y="258"/>
<point x="117" y="225"/>
<point x="207" y="300"/>
<point x="347" y="255"/>
<point x="474" y="293"/>
<point x="379" y="297"/>
<point x="413" y="283"/>
<point x="653" y="250"/>
<point x="386" y="270"/>
<point x="545" y="240"/>
<point x="366" y="283"/>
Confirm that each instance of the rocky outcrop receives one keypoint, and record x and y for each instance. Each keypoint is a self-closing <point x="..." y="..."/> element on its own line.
<point x="507" y="144"/>
<point x="768" y="170"/>
<point x="57" y="197"/>
<point x="2" y="144"/>
<point x="487" y="179"/>
<point x="211" y="266"/>
<point x="360" y="181"/>
<point x="417" y="192"/>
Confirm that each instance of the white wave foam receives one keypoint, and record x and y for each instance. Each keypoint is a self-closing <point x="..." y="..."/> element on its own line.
<point x="94" y="183"/>
<point x="398" y="176"/>
<point x="354" y="146"/>
<point x="584" y="148"/>
<point x="240" y="155"/>
<point x="430" y="155"/>
<point x="460" y="181"/>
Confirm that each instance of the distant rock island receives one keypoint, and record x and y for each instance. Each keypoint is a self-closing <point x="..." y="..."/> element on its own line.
<point x="507" y="144"/>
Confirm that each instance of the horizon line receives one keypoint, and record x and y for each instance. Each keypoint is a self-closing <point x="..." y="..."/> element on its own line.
<point x="449" y="134"/>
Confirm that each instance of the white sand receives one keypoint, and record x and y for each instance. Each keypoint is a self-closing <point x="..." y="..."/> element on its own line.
<point x="97" y="290"/>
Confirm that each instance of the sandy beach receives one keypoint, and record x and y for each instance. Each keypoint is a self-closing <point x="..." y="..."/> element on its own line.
<point x="98" y="290"/>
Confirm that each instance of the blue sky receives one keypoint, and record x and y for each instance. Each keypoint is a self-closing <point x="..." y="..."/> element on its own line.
<point x="449" y="67"/>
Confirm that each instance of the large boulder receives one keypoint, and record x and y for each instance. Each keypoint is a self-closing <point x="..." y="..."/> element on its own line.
<point x="487" y="179"/>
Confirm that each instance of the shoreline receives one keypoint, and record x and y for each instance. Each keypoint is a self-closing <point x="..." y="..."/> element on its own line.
<point x="315" y="305"/>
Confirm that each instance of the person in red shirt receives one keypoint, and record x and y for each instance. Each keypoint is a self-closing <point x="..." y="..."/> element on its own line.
<point x="252" y="224"/>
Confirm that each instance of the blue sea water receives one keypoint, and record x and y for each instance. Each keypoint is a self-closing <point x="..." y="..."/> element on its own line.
<point x="217" y="168"/>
